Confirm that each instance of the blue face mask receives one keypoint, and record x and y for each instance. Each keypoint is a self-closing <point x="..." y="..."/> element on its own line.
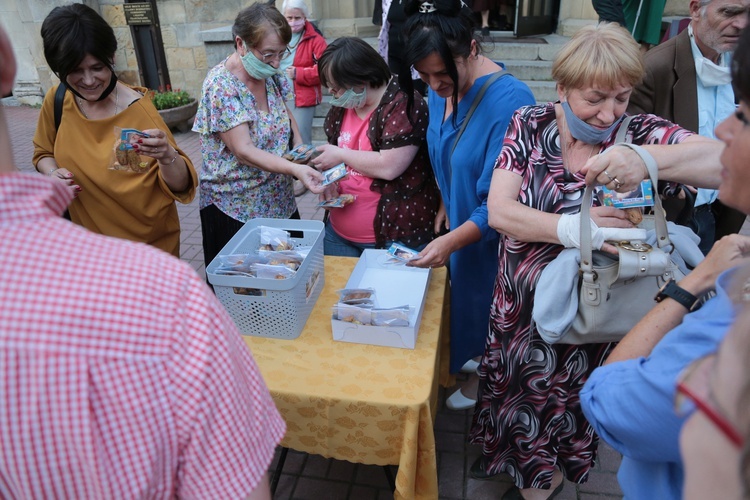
<point x="582" y="131"/>
<point x="350" y="99"/>
<point x="255" y="67"/>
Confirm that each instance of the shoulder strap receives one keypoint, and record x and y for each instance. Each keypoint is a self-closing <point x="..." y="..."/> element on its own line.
<point x="59" y="98"/>
<point x="477" y="100"/>
<point x="623" y="130"/>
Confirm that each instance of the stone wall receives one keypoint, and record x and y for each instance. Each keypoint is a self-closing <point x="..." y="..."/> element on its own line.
<point x="22" y="20"/>
<point x="195" y="34"/>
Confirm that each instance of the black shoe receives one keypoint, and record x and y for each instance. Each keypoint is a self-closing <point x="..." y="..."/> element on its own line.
<point x="477" y="470"/>
<point x="515" y="494"/>
<point x="486" y="31"/>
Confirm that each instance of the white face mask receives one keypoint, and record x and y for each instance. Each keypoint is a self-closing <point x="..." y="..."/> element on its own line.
<point x="350" y="99"/>
<point x="710" y="74"/>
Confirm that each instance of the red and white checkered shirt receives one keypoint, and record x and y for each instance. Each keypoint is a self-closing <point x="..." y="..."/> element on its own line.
<point x="121" y="376"/>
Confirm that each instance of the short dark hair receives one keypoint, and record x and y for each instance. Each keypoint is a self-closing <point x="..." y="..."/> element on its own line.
<point x="253" y="23"/>
<point x="350" y="61"/>
<point x="448" y="32"/>
<point x="741" y="65"/>
<point x="70" y="33"/>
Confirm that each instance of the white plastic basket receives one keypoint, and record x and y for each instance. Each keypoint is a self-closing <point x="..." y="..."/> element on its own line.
<point x="269" y="307"/>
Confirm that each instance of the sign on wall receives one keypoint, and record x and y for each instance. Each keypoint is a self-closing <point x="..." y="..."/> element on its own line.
<point x="138" y="13"/>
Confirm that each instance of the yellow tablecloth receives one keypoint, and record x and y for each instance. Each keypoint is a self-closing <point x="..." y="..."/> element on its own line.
<point x="361" y="403"/>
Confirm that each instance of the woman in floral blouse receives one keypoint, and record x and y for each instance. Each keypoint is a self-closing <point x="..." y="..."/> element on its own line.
<point x="382" y="141"/>
<point x="245" y="128"/>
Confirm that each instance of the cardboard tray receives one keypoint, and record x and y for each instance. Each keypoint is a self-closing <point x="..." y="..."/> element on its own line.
<point x="395" y="285"/>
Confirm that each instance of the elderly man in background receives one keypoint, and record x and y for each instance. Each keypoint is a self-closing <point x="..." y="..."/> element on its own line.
<point x="688" y="82"/>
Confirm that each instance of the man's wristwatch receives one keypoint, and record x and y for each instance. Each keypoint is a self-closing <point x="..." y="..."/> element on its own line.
<point x="670" y="289"/>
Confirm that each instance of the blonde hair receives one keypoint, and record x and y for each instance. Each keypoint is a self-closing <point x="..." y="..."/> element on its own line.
<point x="604" y="54"/>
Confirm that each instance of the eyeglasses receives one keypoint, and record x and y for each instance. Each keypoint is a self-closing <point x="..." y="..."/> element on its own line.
<point x="267" y="57"/>
<point x="694" y="392"/>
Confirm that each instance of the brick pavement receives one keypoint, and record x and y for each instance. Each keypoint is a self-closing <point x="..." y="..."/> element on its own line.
<point x="314" y="477"/>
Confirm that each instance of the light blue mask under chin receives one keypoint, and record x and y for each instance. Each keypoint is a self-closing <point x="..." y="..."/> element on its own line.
<point x="255" y="67"/>
<point x="582" y="131"/>
<point x="350" y="99"/>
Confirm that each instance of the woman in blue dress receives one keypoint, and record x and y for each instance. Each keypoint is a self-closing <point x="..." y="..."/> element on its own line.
<point x="440" y="44"/>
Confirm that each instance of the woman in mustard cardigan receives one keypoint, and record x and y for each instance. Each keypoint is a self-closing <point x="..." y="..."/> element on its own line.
<point x="135" y="203"/>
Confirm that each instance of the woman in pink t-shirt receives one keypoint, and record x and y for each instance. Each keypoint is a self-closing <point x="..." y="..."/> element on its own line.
<point x="382" y="141"/>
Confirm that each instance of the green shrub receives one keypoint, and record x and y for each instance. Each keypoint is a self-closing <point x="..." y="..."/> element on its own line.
<point x="170" y="98"/>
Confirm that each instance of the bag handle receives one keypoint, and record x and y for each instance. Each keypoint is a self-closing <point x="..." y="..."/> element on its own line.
<point x="623" y="130"/>
<point x="660" y="221"/>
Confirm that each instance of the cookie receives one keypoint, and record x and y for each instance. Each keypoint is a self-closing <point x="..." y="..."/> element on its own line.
<point x="635" y="215"/>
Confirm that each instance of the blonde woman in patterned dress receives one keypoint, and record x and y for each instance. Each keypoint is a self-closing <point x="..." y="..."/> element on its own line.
<point x="528" y="416"/>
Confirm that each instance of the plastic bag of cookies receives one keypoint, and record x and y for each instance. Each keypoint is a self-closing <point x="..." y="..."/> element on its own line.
<point x="124" y="155"/>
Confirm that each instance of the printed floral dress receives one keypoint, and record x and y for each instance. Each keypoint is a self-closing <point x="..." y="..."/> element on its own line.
<point x="241" y="191"/>
<point x="528" y="417"/>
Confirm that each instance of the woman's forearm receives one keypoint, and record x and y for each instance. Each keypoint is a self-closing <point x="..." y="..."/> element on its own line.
<point x="239" y="143"/>
<point x="694" y="162"/>
<point x="522" y="223"/>
<point x="505" y="214"/>
<point x="176" y="174"/>
<point x="46" y="165"/>
<point x="386" y="164"/>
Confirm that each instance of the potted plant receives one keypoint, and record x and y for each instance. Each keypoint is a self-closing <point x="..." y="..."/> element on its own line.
<point x="176" y="107"/>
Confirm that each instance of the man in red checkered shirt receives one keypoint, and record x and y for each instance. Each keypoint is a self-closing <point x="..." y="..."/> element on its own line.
<point x="121" y="376"/>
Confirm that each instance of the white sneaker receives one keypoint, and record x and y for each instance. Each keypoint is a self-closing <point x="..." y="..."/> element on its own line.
<point x="457" y="401"/>
<point x="470" y="366"/>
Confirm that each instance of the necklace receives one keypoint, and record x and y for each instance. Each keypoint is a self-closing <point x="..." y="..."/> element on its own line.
<point x="293" y="46"/>
<point x="564" y="146"/>
<point x="117" y="103"/>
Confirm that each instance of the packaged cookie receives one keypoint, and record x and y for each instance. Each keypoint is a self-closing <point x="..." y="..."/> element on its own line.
<point x="239" y="264"/>
<point x="124" y="155"/>
<point x="271" y="272"/>
<point x="359" y="315"/>
<point x="288" y="258"/>
<point x="356" y="295"/>
<point x="338" y="202"/>
<point x="394" y="316"/>
<point x="300" y="154"/>
<point x="634" y="214"/>
<point x="402" y="253"/>
<point x="274" y="240"/>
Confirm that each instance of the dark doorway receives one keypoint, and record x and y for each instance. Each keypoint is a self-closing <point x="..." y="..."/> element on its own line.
<point x="536" y="17"/>
<point x="149" y="48"/>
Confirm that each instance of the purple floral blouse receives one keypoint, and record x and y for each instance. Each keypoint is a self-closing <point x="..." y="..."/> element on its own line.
<point x="241" y="191"/>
